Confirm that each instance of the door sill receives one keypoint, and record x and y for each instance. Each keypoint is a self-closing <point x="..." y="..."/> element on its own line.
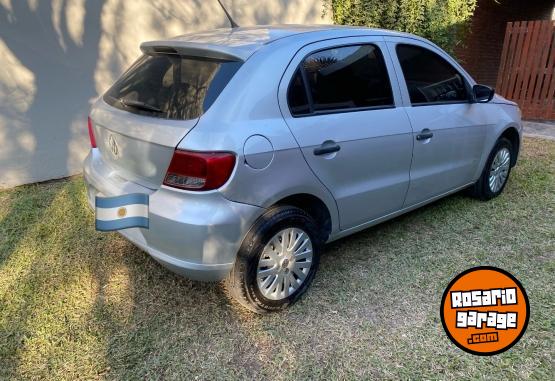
<point x="354" y="229"/>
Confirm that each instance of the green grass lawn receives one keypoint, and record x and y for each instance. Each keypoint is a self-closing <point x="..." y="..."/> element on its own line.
<point x="75" y="303"/>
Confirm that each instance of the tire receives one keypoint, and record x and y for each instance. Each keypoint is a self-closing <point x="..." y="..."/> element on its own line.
<point x="482" y="189"/>
<point x="249" y="287"/>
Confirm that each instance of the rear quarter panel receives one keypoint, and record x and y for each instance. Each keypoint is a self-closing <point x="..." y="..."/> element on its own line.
<point x="248" y="106"/>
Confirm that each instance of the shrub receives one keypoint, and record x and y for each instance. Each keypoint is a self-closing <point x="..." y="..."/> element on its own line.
<point x="444" y="22"/>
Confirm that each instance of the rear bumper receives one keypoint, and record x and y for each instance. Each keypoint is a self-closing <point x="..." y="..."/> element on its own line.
<point x="193" y="234"/>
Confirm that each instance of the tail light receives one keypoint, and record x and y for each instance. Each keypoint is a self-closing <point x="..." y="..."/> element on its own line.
<point x="199" y="171"/>
<point x="91" y="133"/>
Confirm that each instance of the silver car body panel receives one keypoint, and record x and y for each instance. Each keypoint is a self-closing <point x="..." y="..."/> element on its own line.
<point x="138" y="147"/>
<point x="448" y="160"/>
<point x="226" y="126"/>
<point x="376" y="175"/>
<point x="369" y="176"/>
<point x="451" y="157"/>
<point x="196" y="235"/>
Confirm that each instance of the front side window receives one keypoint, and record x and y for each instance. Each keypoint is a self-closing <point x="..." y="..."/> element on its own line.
<point x="171" y="86"/>
<point x="348" y="77"/>
<point x="430" y="78"/>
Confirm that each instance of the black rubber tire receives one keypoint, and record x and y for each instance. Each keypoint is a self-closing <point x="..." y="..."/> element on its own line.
<point x="481" y="189"/>
<point x="241" y="282"/>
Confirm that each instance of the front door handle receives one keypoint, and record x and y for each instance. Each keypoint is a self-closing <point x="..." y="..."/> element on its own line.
<point x="425" y="134"/>
<point x="329" y="146"/>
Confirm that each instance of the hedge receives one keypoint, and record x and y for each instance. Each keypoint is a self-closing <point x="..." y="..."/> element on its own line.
<point x="444" y="22"/>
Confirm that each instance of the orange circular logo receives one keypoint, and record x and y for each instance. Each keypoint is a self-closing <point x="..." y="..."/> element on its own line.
<point x="485" y="310"/>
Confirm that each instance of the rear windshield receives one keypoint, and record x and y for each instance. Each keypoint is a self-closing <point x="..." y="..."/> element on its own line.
<point x="171" y="86"/>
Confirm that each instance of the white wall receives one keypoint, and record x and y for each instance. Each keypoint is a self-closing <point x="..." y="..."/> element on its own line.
<point x="56" y="56"/>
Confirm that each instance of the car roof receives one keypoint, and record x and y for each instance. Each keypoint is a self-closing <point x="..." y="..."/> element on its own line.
<point x="240" y="43"/>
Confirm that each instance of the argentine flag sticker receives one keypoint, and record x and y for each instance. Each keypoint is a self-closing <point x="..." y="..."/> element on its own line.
<point x="121" y="212"/>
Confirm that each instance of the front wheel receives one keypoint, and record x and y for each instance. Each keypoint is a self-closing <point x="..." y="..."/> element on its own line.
<point x="496" y="171"/>
<point x="277" y="260"/>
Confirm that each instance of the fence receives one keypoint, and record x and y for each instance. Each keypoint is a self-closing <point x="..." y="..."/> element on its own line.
<point x="526" y="74"/>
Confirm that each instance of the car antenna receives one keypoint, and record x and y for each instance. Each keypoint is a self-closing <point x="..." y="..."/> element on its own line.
<point x="233" y="23"/>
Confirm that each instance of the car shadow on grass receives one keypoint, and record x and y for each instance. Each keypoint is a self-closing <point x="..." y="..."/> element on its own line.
<point x="26" y="206"/>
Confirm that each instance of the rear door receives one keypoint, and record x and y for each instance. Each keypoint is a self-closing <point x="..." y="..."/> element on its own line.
<point x="339" y="99"/>
<point x="143" y="117"/>
<point x="449" y="130"/>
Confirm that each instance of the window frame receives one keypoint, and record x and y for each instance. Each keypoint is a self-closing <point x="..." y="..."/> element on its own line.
<point x="308" y="94"/>
<point x="402" y="79"/>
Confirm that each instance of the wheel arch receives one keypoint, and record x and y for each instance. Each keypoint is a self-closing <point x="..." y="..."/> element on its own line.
<point x="511" y="133"/>
<point x="314" y="206"/>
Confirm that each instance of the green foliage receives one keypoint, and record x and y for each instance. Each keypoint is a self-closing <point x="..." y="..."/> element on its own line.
<point x="444" y="22"/>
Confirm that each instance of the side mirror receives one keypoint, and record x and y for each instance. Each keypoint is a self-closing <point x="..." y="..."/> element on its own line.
<point x="482" y="93"/>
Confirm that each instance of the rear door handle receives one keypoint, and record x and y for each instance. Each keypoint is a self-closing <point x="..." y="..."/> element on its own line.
<point x="329" y="146"/>
<point x="425" y="134"/>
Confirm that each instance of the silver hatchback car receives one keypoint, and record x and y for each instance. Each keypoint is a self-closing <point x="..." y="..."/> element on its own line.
<point x="258" y="145"/>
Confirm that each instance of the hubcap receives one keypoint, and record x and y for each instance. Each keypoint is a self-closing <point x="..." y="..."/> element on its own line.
<point x="499" y="169"/>
<point x="284" y="264"/>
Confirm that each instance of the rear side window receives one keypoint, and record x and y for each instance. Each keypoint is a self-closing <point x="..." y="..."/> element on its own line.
<point x="342" y="78"/>
<point x="298" y="101"/>
<point x="430" y="78"/>
<point x="171" y="86"/>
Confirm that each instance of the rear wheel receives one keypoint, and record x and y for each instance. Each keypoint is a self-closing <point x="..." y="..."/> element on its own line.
<point x="277" y="260"/>
<point x="496" y="171"/>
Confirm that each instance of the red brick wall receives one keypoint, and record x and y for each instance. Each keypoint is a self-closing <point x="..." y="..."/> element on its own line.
<point x="481" y="51"/>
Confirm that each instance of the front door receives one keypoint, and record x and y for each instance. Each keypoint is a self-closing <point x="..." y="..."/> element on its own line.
<point x="339" y="102"/>
<point x="449" y="130"/>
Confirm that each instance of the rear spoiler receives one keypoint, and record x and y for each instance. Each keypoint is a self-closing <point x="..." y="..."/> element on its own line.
<point x="193" y="49"/>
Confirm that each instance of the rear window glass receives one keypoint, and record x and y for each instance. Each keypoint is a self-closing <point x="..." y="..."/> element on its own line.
<point x="170" y="86"/>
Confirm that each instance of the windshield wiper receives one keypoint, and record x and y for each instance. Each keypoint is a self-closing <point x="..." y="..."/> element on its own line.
<point x="139" y="104"/>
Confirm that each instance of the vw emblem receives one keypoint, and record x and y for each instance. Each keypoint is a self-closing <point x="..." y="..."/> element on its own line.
<point x="113" y="145"/>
